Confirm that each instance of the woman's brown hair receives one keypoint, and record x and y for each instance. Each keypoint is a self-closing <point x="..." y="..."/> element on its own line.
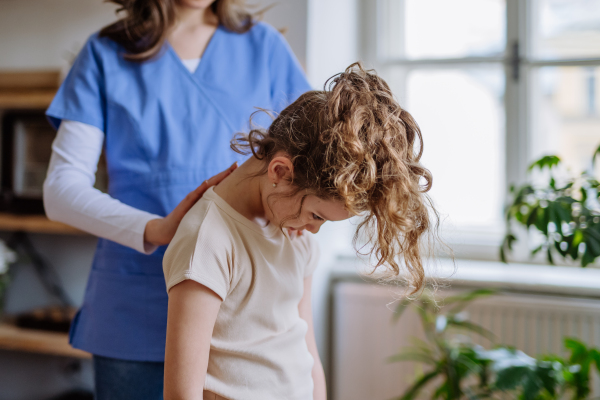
<point x="353" y="142"/>
<point x="143" y="29"/>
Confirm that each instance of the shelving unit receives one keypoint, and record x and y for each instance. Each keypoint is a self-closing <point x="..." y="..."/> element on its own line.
<point x="41" y="342"/>
<point x="28" y="90"/>
<point x="33" y="91"/>
<point x="26" y="100"/>
<point x="35" y="224"/>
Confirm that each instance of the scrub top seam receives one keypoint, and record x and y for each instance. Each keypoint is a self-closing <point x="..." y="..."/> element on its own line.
<point x="194" y="78"/>
<point x="137" y="132"/>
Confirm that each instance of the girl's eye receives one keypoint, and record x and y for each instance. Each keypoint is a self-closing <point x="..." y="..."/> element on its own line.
<point x="315" y="216"/>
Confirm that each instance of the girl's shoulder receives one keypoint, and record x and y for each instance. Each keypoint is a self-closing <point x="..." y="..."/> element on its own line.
<point x="203" y="225"/>
<point x="204" y="219"/>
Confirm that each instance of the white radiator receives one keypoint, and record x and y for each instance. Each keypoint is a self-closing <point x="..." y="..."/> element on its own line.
<point x="364" y="335"/>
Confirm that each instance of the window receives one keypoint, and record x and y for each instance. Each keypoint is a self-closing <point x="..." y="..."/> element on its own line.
<point x="493" y="84"/>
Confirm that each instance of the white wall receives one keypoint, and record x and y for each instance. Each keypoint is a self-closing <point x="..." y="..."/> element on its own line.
<point x="333" y="32"/>
<point x="42" y="34"/>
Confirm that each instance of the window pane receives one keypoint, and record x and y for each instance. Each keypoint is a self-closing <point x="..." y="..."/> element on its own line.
<point x="461" y="115"/>
<point x="444" y="29"/>
<point x="566" y="28"/>
<point x="566" y="114"/>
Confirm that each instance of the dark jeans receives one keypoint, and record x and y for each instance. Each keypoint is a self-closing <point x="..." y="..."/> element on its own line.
<point x="128" y="380"/>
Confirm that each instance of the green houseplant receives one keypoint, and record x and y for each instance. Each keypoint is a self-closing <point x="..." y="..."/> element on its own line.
<point x="564" y="211"/>
<point x="456" y="368"/>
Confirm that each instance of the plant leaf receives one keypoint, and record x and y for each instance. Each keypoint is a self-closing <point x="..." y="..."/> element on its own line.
<point x="463" y="298"/>
<point x="507" y="243"/>
<point x="545" y="162"/>
<point x="550" y="258"/>
<point x="412" y="392"/>
<point x="531" y="386"/>
<point x="511" y="377"/>
<point x="471" y="327"/>
<point x="594" y="156"/>
<point x="408" y="355"/>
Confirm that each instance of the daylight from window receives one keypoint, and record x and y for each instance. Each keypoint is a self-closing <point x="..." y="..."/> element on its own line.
<point x="460" y="105"/>
<point x="459" y="108"/>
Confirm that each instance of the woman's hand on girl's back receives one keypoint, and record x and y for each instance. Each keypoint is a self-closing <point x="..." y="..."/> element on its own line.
<point x="160" y="231"/>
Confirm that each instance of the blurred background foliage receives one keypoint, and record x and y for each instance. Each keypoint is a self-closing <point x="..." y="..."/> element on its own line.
<point x="564" y="210"/>
<point x="457" y="368"/>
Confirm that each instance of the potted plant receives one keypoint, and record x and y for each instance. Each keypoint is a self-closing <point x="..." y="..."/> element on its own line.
<point x="564" y="211"/>
<point x="458" y="369"/>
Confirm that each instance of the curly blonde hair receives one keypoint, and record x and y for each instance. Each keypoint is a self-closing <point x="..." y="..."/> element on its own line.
<point x="353" y="142"/>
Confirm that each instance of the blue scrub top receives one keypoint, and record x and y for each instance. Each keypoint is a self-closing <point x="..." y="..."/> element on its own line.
<point x="166" y="131"/>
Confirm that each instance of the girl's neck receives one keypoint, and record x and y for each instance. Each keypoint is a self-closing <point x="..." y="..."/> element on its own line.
<point x="242" y="190"/>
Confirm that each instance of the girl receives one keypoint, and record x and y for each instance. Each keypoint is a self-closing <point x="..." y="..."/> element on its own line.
<point x="164" y="117"/>
<point x="239" y="323"/>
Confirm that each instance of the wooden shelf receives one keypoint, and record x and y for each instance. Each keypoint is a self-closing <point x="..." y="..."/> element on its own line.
<point x="24" y="90"/>
<point x="26" y="100"/>
<point x="35" y="224"/>
<point x="35" y="341"/>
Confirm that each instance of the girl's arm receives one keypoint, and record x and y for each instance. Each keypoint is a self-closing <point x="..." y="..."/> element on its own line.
<point x="193" y="310"/>
<point x="305" y="309"/>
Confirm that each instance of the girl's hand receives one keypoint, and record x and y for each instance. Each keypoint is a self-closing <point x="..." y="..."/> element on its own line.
<point x="160" y="231"/>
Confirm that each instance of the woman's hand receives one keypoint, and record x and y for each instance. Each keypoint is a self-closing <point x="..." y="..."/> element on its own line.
<point x="160" y="231"/>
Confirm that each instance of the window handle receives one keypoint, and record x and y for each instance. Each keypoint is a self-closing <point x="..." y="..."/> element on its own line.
<point x="515" y="61"/>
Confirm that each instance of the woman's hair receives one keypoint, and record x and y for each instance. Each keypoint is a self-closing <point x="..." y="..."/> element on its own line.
<point x="353" y="142"/>
<point x="143" y="29"/>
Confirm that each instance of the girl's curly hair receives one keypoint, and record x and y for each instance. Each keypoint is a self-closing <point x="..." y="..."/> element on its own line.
<point x="353" y="142"/>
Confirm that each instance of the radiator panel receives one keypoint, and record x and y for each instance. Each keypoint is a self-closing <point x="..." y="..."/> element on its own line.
<point x="364" y="335"/>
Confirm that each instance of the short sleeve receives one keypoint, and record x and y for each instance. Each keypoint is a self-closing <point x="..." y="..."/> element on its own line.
<point x="81" y="97"/>
<point x="200" y="251"/>
<point x="288" y="80"/>
<point x="310" y="247"/>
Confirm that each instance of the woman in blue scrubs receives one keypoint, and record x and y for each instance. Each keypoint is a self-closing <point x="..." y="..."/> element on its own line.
<point x="162" y="91"/>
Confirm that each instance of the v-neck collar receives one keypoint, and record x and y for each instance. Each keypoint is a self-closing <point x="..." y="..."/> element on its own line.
<point x="198" y="77"/>
<point x="206" y="55"/>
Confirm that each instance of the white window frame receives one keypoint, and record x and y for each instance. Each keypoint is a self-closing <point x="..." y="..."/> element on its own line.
<point x="518" y="65"/>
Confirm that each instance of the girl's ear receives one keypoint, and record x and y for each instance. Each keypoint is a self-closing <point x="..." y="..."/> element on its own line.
<point x="280" y="169"/>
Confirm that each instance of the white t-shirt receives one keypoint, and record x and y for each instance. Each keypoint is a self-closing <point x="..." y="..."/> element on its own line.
<point x="258" y="348"/>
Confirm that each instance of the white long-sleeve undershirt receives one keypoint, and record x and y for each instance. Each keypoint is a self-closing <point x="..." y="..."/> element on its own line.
<point x="70" y="196"/>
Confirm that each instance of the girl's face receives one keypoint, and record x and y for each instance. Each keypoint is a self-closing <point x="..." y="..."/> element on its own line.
<point x="279" y="207"/>
<point x="314" y="213"/>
